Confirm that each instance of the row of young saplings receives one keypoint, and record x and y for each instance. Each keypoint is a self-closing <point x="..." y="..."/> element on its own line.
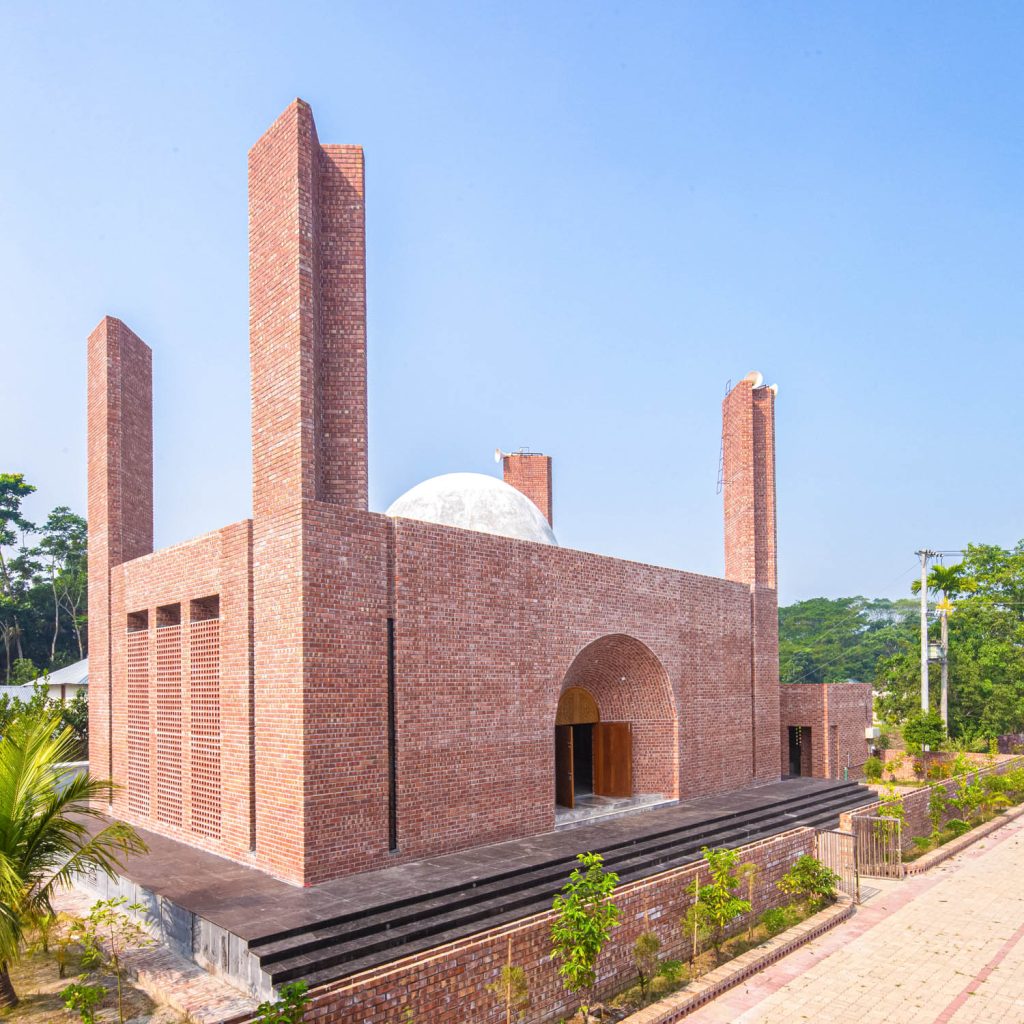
<point x="976" y="800"/>
<point x="586" y="915"/>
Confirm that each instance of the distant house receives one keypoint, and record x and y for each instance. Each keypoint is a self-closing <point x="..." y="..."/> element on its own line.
<point x="64" y="684"/>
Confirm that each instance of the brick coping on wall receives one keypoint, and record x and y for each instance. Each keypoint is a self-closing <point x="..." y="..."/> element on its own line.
<point x="739" y="969"/>
<point x="954" y="846"/>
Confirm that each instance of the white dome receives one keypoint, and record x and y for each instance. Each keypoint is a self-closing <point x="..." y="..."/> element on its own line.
<point x="474" y="501"/>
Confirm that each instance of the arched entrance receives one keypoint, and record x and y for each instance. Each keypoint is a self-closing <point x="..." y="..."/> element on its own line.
<point x="615" y="725"/>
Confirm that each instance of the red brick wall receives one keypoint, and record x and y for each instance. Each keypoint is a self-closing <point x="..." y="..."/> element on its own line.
<point x="178" y="759"/>
<point x="530" y="472"/>
<point x="120" y="501"/>
<point x="488" y="634"/>
<point x="837" y="715"/>
<point x="448" y="985"/>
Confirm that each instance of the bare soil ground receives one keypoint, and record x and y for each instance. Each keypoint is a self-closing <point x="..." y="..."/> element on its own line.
<point x="38" y="985"/>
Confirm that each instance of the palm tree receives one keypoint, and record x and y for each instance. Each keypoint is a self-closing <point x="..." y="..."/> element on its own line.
<point x="44" y="835"/>
<point x="948" y="580"/>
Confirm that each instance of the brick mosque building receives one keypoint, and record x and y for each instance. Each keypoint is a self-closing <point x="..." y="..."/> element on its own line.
<point x="322" y="689"/>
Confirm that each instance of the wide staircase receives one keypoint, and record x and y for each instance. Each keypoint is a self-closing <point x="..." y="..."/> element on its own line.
<point x="340" y="946"/>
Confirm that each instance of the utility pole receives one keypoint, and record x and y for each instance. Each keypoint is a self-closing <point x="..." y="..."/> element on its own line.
<point x="924" y="554"/>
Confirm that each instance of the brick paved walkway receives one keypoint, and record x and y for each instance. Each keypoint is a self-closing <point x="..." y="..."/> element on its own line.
<point x="168" y="977"/>
<point x="942" y="948"/>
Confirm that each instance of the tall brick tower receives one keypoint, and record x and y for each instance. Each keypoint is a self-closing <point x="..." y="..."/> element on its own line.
<point x="748" y="450"/>
<point x="120" y="501"/>
<point x="307" y="293"/>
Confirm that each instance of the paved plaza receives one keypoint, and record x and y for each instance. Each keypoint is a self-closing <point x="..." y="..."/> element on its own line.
<point x="942" y="948"/>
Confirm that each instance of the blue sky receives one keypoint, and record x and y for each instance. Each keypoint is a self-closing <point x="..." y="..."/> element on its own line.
<point x="583" y="219"/>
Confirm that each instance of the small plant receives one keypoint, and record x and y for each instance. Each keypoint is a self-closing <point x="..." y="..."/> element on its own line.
<point x="85" y="999"/>
<point x="288" y="1008"/>
<point x="778" y="919"/>
<point x="586" y="916"/>
<point x="716" y="905"/>
<point x="106" y="934"/>
<point x="749" y="870"/>
<point x="894" y="766"/>
<point x="967" y="798"/>
<point x="936" y="810"/>
<point x="673" y="971"/>
<point x="873" y="769"/>
<point x="810" y="882"/>
<point x="512" y="989"/>
<point x="957" y="826"/>
<point x="890" y="806"/>
<point x="645" y="959"/>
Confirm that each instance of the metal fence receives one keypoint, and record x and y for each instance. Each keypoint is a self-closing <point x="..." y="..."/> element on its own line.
<point x="838" y="851"/>
<point x="878" y="845"/>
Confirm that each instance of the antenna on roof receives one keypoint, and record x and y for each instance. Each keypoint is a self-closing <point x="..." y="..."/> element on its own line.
<point x="498" y="455"/>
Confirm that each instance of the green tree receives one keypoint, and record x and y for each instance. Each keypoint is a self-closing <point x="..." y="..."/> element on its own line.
<point x="14" y="575"/>
<point x="925" y="729"/>
<point x="44" y="838"/>
<point x="61" y="556"/>
<point x="716" y="904"/>
<point x="586" y="916"/>
<point x="986" y="651"/>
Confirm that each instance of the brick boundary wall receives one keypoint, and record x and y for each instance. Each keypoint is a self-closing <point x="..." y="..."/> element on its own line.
<point x="915" y="804"/>
<point x="448" y="984"/>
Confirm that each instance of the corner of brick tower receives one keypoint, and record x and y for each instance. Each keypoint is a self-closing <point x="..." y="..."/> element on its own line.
<point x="530" y="472"/>
<point x="748" y="478"/>
<point x="120" y="497"/>
<point x="307" y="317"/>
<point x="307" y="332"/>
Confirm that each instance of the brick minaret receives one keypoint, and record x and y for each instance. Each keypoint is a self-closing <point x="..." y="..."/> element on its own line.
<point x="120" y="502"/>
<point x="307" y="317"/>
<point x="307" y="324"/>
<point x="530" y="472"/>
<point x="748" y="451"/>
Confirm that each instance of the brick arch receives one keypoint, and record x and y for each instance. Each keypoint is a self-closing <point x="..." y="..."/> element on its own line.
<point x="629" y="684"/>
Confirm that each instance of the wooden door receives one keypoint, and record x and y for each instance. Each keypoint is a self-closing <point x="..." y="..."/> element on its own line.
<point x="564" y="782"/>
<point x="613" y="759"/>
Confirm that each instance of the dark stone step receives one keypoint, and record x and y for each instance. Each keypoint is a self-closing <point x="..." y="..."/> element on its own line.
<point x="330" y="950"/>
<point x="636" y="860"/>
<point x="561" y="865"/>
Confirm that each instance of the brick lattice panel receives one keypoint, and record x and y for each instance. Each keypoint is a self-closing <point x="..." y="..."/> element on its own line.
<point x="168" y="724"/>
<point x="204" y="639"/>
<point x="138" y="722"/>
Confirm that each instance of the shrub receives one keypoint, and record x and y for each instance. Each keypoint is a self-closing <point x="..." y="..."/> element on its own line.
<point x="873" y="769"/>
<point x="288" y="1008"/>
<point x="778" y="919"/>
<point x="957" y="826"/>
<point x="645" y="959"/>
<point x="85" y="999"/>
<point x="673" y="971"/>
<point x="810" y="881"/>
